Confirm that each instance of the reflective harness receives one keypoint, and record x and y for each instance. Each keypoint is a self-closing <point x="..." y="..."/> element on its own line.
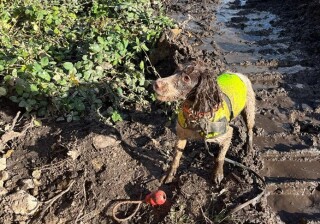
<point x="234" y="93"/>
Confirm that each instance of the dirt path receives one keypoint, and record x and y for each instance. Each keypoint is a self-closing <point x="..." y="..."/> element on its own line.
<point x="256" y="41"/>
<point x="74" y="172"/>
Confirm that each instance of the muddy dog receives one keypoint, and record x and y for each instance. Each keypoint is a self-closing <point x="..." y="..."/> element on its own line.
<point x="210" y="102"/>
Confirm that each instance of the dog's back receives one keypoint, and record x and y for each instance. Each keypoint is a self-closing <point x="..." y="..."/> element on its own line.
<point x="234" y="90"/>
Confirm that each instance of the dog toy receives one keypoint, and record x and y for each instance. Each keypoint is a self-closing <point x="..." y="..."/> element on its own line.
<point x="154" y="198"/>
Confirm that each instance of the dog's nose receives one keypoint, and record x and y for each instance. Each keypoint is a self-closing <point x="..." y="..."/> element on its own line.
<point x="158" y="85"/>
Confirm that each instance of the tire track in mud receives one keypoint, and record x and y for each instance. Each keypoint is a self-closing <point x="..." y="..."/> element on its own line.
<point x="287" y="123"/>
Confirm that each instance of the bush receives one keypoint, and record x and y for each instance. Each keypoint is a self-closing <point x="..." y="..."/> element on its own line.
<point x="67" y="57"/>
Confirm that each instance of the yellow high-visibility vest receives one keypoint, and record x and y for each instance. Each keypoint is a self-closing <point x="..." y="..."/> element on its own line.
<point x="235" y="95"/>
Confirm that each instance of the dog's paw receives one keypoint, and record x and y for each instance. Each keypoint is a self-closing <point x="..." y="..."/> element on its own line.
<point x="217" y="178"/>
<point x="217" y="175"/>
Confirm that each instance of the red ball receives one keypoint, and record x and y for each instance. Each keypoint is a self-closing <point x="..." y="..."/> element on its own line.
<point x="156" y="198"/>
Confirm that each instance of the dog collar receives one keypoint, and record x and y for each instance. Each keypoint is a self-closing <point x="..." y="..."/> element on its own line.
<point x="186" y="109"/>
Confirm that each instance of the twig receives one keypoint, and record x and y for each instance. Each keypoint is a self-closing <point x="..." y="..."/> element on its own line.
<point x="252" y="201"/>
<point x="52" y="166"/>
<point x="10" y="135"/>
<point x="85" y="197"/>
<point x="151" y="65"/>
<point x="205" y="217"/>
<point x="55" y="198"/>
<point x="15" y="121"/>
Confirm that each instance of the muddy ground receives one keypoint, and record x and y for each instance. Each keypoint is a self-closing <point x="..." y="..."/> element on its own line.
<point x="75" y="172"/>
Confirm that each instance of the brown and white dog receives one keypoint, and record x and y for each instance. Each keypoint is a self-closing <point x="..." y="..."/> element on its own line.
<point x="204" y="98"/>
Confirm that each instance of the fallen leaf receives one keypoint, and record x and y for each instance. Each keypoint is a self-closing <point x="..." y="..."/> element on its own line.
<point x="74" y="154"/>
<point x="8" y="153"/>
<point x="36" y="174"/>
<point x="37" y="123"/>
<point x="3" y="163"/>
<point x="28" y="184"/>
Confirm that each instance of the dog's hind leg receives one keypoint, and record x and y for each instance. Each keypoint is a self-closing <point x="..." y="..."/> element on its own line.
<point x="180" y="145"/>
<point x="224" y="142"/>
<point x="249" y="115"/>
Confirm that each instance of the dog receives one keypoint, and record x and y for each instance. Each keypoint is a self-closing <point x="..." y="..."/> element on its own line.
<point x="210" y="102"/>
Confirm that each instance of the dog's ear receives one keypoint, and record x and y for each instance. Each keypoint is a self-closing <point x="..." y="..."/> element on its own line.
<point x="206" y="95"/>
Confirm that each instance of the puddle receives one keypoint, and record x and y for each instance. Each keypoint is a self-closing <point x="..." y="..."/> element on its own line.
<point x="281" y="144"/>
<point x="268" y="125"/>
<point x="292" y="169"/>
<point x="248" y="35"/>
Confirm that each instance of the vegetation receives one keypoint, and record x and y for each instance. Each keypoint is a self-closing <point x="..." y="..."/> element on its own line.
<point x="68" y="57"/>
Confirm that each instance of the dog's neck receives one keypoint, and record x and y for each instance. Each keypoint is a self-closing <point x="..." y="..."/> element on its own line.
<point x="191" y="114"/>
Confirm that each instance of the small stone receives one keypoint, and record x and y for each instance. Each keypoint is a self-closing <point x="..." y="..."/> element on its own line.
<point x="4" y="175"/>
<point x="23" y="203"/>
<point x="3" y="191"/>
<point x="3" y="163"/>
<point x="35" y="191"/>
<point x="102" y="141"/>
<point x="36" y="182"/>
<point x="155" y="142"/>
<point x="36" y="174"/>
<point x="28" y="184"/>
<point x="97" y="164"/>
<point x="306" y="107"/>
<point x="300" y="86"/>
<point x="74" y="154"/>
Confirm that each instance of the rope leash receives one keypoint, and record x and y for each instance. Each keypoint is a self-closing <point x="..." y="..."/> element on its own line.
<point x="155" y="198"/>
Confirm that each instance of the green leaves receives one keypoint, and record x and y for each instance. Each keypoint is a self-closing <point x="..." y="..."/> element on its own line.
<point x="3" y="91"/>
<point x="116" y="116"/>
<point x="95" y="48"/>
<point x="66" y="59"/>
<point x="33" y="88"/>
<point x="68" y="66"/>
<point x="44" y="75"/>
<point x="44" y="61"/>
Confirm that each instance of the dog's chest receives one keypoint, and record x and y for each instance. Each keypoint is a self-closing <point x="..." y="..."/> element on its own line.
<point x="208" y="126"/>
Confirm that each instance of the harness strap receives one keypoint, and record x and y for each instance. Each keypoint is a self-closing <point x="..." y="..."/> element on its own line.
<point x="228" y="102"/>
<point x="213" y="129"/>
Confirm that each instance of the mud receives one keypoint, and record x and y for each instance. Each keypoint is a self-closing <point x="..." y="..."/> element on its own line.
<point x="77" y="171"/>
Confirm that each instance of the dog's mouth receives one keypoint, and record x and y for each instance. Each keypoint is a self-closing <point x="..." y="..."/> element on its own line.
<point x="162" y="97"/>
<point x="166" y="98"/>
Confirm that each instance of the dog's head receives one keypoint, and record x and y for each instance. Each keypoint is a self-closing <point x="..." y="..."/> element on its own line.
<point x="194" y="82"/>
<point x="178" y="85"/>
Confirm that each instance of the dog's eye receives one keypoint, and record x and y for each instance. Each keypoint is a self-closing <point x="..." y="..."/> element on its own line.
<point x="186" y="78"/>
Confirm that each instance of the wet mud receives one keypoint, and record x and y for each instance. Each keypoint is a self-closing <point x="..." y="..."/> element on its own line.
<point x="75" y="172"/>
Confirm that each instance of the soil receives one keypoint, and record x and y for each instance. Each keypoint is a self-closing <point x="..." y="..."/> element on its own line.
<point x="75" y="172"/>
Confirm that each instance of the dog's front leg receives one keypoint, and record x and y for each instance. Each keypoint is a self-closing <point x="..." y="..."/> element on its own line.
<point x="179" y="147"/>
<point x="224" y="142"/>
